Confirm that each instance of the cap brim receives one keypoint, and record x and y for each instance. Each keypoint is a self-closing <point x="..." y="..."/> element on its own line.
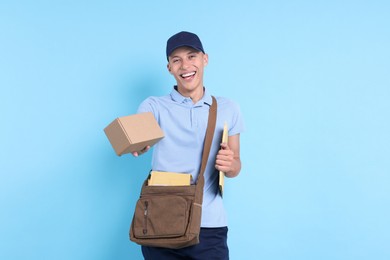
<point x="184" y="45"/>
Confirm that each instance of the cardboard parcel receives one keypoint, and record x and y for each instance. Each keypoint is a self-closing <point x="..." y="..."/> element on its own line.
<point x="133" y="133"/>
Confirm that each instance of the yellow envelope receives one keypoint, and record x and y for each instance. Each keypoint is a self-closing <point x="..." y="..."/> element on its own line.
<point x="158" y="178"/>
<point x="225" y="137"/>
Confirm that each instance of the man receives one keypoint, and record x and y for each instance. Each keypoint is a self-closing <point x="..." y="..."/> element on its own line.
<point x="183" y="115"/>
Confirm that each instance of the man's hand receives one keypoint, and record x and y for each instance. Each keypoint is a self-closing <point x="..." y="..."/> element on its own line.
<point x="225" y="158"/>
<point x="136" y="154"/>
<point x="228" y="157"/>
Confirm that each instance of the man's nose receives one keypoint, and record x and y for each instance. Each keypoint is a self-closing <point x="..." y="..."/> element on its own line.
<point x="185" y="64"/>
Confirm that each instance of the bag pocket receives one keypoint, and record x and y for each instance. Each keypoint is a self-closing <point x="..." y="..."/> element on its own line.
<point x="161" y="216"/>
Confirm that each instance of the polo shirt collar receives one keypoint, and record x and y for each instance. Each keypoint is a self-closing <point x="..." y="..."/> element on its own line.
<point x="177" y="97"/>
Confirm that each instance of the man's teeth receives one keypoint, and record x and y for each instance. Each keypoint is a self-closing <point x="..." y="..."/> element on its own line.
<point x="188" y="74"/>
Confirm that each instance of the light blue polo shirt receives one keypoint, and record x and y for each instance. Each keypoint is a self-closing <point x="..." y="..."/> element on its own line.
<point x="184" y="125"/>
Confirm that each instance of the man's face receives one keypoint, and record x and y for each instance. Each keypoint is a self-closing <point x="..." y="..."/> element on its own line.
<point x="187" y="66"/>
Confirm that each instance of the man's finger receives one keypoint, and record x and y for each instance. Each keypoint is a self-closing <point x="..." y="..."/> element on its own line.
<point x="224" y="146"/>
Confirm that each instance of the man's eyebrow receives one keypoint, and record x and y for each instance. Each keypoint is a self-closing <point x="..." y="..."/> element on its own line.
<point x="188" y="53"/>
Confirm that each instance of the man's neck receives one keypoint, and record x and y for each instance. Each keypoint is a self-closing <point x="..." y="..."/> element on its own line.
<point x="195" y="95"/>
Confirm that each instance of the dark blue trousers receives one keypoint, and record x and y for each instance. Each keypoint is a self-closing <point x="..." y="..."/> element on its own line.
<point x="212" y="245"/>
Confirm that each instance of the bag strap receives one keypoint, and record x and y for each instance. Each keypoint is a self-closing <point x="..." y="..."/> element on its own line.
<point x="206" y="150"/>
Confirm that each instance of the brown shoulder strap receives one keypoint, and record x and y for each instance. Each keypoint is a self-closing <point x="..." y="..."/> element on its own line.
<point x="206" y="149"/>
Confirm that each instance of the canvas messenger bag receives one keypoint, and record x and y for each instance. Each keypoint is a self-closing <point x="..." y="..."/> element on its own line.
<point x="170" y="216"/>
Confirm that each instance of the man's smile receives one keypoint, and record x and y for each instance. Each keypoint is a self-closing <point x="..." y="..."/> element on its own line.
<point x="187" y="75"/>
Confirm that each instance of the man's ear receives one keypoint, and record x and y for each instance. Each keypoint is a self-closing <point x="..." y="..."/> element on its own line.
<point x="205" y="59"/>
<point x="169" y="68"/>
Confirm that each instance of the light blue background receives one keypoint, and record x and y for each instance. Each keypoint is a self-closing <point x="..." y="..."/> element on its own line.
<point x="312" y="79"/>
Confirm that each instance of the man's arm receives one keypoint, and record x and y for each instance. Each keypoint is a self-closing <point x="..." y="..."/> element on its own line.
<point x="228" y="157"/>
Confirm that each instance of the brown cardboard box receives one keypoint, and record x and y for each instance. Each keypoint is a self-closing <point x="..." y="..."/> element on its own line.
<point x="132" y="133"/>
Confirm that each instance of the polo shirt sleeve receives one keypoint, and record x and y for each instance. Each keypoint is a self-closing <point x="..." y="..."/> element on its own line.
<point x="149" y="105"/>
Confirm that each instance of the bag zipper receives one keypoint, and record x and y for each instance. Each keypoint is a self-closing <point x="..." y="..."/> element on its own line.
<point x="145" y="230"/>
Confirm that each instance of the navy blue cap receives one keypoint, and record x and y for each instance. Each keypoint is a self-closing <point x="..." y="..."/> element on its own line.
<point x="182" y="39"/>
